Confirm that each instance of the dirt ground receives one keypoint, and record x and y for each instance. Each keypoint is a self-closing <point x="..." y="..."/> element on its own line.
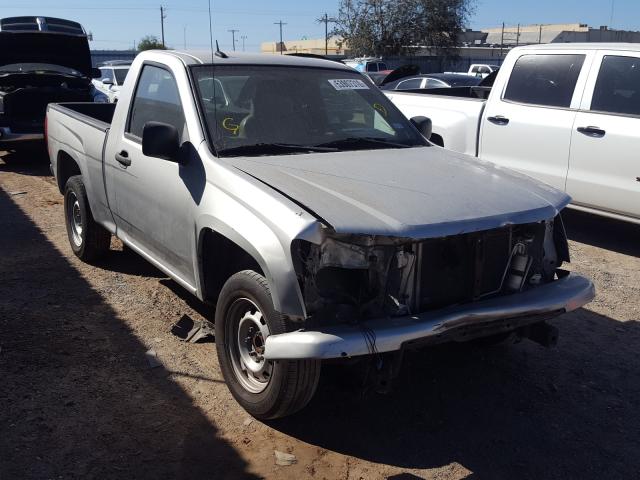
<point x="78" y="398"/>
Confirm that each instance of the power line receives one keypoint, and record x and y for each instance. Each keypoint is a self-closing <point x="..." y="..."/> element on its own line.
<point x="326" y="20"/>
<point x="281" y="23"/>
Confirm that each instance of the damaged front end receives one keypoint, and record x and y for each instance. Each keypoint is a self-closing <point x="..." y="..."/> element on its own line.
<point x="369" y="295"/>
<point x="348" y="279"/>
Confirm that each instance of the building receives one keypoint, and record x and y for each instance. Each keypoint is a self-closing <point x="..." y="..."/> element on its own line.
<point x="316" y="46"/>
<point x="556" y="33"/>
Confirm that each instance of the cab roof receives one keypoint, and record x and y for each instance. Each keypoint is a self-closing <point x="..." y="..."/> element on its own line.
<point x="205" y="57"/>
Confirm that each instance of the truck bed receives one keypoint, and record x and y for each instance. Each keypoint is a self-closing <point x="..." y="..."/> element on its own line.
<point x="98" y="115"/>
<point x="456" y="119"/>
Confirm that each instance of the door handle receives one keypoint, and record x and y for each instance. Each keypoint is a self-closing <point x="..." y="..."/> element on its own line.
<point x="123" y="158"/>
<point x="499" y="120"/>
<point x="594" y="132"/>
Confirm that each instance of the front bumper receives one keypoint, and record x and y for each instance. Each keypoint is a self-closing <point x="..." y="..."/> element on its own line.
<point x="391" y="334"/>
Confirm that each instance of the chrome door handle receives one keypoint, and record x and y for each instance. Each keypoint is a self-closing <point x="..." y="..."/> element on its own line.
<point x="123" y="158"/>
<point x="594" y="132"/>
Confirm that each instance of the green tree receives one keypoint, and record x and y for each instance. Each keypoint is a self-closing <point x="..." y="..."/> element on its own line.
<point x="150" y="42"/>
<point x="392" y="27"/>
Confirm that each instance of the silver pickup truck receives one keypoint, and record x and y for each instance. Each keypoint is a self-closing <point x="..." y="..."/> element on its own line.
<point x="294" y="196"/>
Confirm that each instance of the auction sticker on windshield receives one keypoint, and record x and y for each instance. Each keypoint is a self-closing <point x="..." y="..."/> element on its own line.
<point x="349" y="84"/>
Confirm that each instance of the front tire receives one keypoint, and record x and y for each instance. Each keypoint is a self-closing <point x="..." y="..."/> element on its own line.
<point x="245" y="317"/>
<point x="89" y="241"/>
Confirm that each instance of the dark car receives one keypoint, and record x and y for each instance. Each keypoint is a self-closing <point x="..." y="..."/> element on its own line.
<point x="44" y="60"/>
<point x="433" y="80"/>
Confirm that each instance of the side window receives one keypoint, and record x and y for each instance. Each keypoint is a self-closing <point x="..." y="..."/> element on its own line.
<point x="409" y="84"/>
<point x="547" y="80"/>
<point x="382" y="67"/>
<point x="372" y="67"/>
<point x="156" y="99"/>
<point x="617" y="88"/>
<point x="484" y="70"/>
<point x="433" y="83"/>
<point x="475" y="69"/>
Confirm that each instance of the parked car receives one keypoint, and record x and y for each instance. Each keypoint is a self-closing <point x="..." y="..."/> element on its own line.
<point x="554" y="113"/>
<point x="318" y="220"/>
<point x="43" y="60"/>
<point x="112" y="76"/>
<point x="432" y="80"/>
<point x="372" y="67"/>
<point x="480" y="70"/>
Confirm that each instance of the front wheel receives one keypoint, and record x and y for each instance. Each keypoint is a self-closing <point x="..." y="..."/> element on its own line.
<point x="245" y="317"/>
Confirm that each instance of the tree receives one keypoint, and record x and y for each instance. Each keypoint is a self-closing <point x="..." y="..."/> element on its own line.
<point x="150" y="42"/>
<point x="392" y="27"/>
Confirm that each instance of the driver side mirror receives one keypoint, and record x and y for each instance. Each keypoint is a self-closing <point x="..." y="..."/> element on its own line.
<point x="161" y="140"/>
<point x="424" y="126"/>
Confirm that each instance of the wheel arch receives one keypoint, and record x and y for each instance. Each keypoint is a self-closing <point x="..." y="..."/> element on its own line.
<point x="66" y="167"/>
<point x="223" y="251"/>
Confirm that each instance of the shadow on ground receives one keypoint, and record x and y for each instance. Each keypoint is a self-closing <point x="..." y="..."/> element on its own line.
<point x="607" y="233"/>
<point x="32" y="160"/>
<point x="78" y="399"/>
<point x="514" y="411"/>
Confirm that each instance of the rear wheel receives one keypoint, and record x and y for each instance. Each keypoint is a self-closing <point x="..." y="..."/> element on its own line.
<point x="88" y="240"/>
<point x="245" y="317"/>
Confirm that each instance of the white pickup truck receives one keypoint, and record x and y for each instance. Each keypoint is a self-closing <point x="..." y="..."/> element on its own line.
<point x="322" y="224"/>
<point x="567" y="114"/>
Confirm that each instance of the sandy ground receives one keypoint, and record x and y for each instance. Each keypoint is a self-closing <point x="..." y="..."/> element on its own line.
<point x="78" y="398"/>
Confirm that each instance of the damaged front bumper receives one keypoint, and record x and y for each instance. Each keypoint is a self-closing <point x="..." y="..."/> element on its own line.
<point x="471" y="320"/>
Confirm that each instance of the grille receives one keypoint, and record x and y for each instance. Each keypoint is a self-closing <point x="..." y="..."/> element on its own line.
<point x="462" y="268"/>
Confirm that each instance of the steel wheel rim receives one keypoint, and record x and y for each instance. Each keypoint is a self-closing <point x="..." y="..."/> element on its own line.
<point x="246" y="332"/>
<point x="74" y="216"/>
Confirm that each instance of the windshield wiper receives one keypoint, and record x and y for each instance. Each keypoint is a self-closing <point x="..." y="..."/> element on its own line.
<point x="364" y="142"/>
<point x="270" y="148"/>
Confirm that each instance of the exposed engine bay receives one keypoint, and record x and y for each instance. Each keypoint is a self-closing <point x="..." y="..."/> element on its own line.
<point x="24" y="97"/>
<point x="346" y="279"/>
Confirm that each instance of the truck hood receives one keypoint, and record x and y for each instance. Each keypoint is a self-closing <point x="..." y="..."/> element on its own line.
<point x="417" y="193"/>
<point x="71" y="51"/>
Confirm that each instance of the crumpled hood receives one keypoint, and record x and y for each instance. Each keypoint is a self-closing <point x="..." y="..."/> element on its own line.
<point x="411" y="193"/>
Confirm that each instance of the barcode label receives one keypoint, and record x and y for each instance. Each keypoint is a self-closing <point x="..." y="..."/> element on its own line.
<point x="349" y="84"/>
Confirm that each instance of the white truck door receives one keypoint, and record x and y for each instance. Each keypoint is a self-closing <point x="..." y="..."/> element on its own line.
<point x="604" y="167"/>
<point x="527" y="122"/>
<point x="153" y="204"/>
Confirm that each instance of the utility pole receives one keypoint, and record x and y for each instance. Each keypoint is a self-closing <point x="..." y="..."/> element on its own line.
<point x="540" y="35"/>
<point x="163" y="15"/>
<point x="233" y="37"/>
<point x="326" y="20"/>
<point x="281" y="23"/>
<point x="502" y="40"/>
<point x="243" y="37"/>
<point x="613" y="7"/>
<point x="184" y="35"/>
<point x="518" y="36"/>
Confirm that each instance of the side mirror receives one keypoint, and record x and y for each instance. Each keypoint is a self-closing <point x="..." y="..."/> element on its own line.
<point x="424" y="126"/>
<point x="161" y="140"/>
<point x="107" y="81"/>
<point x="96" y="73"/>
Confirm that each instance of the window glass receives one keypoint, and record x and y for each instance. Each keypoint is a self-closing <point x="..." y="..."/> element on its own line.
<point x="433" y="83"/>
<point x="372" y="67"/>
<point x="156" y="99"/>
<point x="475" y="69"/>
<point x="410" y="84"/>
<point x="548" y="80"/>
<point x="249" y="105"/>
<point x="120" y="74"/>
<point x="382" y="67"/>
<point x="617" y="88"/>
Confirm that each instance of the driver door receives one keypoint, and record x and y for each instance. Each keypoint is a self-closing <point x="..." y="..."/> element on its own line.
<point x="153" y="207"/>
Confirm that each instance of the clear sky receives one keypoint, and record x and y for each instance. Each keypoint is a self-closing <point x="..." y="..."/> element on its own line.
<point x="116" y="24"/>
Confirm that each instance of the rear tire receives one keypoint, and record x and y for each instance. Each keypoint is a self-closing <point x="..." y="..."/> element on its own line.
<point x="245" y="316"/>
<point x="89" y="241"/>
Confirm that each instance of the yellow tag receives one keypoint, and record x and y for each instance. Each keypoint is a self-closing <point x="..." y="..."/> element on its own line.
<point x="380" y="108"/>
<point x="232" y="127"/>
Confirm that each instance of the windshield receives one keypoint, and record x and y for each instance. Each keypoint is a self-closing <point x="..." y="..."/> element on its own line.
<point x="38" y="67"/>
<point x="289" y="107"/>
<point x="120" y="74"/>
